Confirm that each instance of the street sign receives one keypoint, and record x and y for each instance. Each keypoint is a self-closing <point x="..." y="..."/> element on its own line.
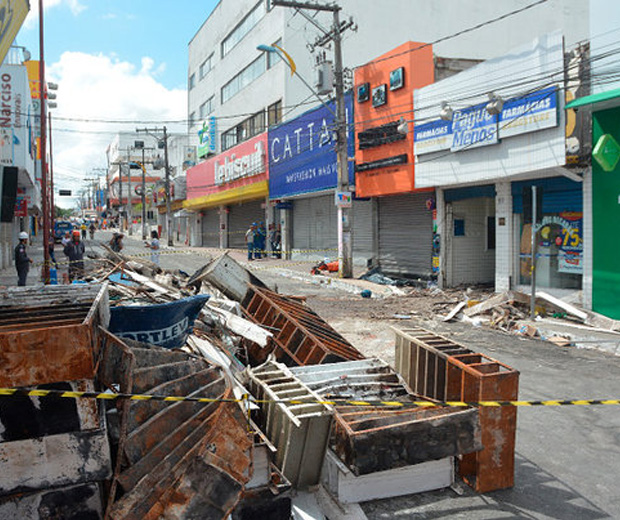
<point x="343" y="199"/>
<point x="64" y="193"/>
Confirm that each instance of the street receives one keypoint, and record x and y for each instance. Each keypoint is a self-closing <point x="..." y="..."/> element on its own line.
<point x="567" y="457"/>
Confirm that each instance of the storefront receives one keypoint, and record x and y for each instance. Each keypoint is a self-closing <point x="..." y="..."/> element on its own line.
<point x="229" y="192"/>
<point x="484" y="152"/>
<point x="603" y="266"/>
<point x="384" y="158"/>
<point x="303" y="177"/>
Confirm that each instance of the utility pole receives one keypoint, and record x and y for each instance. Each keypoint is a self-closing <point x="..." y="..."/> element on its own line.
<point x="129" y="194"/>
<point x="120" y="191"/>
<point x="44" y="186"/>
<point x="345" y="242"/>
<point x="151" y="132"/>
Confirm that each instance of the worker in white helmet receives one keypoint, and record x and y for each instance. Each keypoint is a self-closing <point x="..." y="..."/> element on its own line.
<point x="22" y="262"/>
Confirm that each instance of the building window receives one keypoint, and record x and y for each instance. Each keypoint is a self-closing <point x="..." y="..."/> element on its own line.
<point x="244" y="78"/>
<point x="229" y="138"/>
<point x="206" y="66"/>
<point x="206" y="108"/>
<point x="459" y="227"/>
<point x="192" y="81"/>
<point x="272" y="57"/>
<point x="244" y="27"/>
<point x="274" y="113"/>
<point x="257" y="123"/>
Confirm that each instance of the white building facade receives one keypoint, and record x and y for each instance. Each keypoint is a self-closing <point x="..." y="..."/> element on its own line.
<point x="484" y="159"/>
<point x="236" y="91"/>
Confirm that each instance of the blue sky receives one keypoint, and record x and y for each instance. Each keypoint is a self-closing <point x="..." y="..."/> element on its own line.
<point x="128" y="29"/>
<point x="113" y="60"/>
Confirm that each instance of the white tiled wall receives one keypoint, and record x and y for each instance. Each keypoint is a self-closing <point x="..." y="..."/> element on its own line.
<point x="503" y="235"/>
<point x="587" y="240"/>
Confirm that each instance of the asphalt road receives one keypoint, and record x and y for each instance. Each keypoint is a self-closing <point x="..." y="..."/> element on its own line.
<point x="568" y="458"/>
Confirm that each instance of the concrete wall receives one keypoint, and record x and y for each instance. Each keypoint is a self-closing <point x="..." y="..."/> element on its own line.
<point x="504" y="247"/>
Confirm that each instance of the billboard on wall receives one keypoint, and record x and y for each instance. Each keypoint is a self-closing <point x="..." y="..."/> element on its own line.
<point x="243" y="164"/>
<point x="207" y="138"/>
<point x="530" y="125"/>
<point x="12" y="16"/>
<point x="474" y="126"/>
<point x="302" y="153"/>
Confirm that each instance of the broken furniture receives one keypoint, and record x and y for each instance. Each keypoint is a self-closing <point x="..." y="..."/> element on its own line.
<point x="183" y="458"/>
<point x="441" y="368"/>
<point x="373" y="438"/>
<point x="54" y="450"/>
<point x="299" y="430"/>
<point x="300" y="336"/>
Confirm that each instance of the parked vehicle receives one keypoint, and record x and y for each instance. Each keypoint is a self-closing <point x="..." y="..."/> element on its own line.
<point x="60" y="228"/>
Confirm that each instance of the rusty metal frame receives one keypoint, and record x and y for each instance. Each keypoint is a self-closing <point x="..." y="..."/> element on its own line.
<point x="301" y="337"/>
<point x="421" y="358"/>
<point x="125" y="362"/>
<point x="482" y="378"/>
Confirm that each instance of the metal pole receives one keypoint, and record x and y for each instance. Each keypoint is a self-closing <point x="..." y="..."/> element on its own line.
<point x="345" y="246"/>
<point x="129" y="195"/>
<point x="143" y="197"/>
<point x="53" y="209"/>
<point x="120" y="192"/>
<point x="44" y="186"/>
<point x="534" y="218"/>
<point x="167" y="166"/>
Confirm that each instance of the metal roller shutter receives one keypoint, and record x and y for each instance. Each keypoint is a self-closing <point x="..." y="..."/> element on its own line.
<point x="240" y="218"/>
<point x="314" y="225"/>
<point x="363" y="229"/>
<point x="405" y="234"/>
<point x="211" y="228"/>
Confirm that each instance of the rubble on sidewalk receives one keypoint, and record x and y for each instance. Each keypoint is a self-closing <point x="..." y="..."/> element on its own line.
<point x="510" y="312"/>
<point x="170" y="340"/>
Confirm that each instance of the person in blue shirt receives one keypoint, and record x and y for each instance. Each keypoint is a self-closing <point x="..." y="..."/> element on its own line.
<point x="260" y="239"/>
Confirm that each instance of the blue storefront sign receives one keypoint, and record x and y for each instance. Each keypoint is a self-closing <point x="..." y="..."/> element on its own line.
<point x="474" y="126"/>
<point x="302" y="155"/>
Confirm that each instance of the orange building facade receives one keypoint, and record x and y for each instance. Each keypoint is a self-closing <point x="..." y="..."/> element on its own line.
<point x="384" y="95"/>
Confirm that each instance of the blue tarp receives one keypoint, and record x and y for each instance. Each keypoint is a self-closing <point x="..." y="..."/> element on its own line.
<point x="165" y="324"/>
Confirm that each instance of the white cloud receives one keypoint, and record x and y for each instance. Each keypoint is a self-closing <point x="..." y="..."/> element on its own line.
<point x="100" y="87"/>
<point x="33" y="16"/>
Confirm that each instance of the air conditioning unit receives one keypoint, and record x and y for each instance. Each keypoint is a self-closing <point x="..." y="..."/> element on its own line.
<point x="324" y="78"/>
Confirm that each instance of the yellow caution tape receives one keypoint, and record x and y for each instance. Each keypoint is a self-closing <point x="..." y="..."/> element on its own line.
<point x="110" y="396"/>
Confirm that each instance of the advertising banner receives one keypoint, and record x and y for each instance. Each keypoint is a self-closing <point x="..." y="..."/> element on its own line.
<point x="529" y="113"/>
<point x="302" y="154"/>
<point x="207" y="137"/>
<point x="13" y="15"/>
<point x="474" y="126"/>
<point x="243" y="164"/>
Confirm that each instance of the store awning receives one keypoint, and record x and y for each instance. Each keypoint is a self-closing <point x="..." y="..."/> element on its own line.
<point x="602" y="100"/>
<point x="232" y="196"/>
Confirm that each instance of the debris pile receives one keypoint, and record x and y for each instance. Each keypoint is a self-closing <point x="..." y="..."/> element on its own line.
<point x="510" y="312"/>
<point x="207" y="399"/>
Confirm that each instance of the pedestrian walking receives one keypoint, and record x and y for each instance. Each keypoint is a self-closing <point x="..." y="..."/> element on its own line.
<point x="83" y="229"/>
<point x="50" y="248"/>
<point x="75" y="251"/>
<point x="154" y="247"/>
<point x="22" y="261"/>
<point x="116" y="243"/>
<point x="66" y="239"/>
<point x="249" y="240"/>
<point x="275" y="237"/>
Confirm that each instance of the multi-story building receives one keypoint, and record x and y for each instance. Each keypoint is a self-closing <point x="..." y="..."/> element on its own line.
<point x="125" y="154"/>
<point x="21" y="191"/>
<point x="236" y="91"/>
